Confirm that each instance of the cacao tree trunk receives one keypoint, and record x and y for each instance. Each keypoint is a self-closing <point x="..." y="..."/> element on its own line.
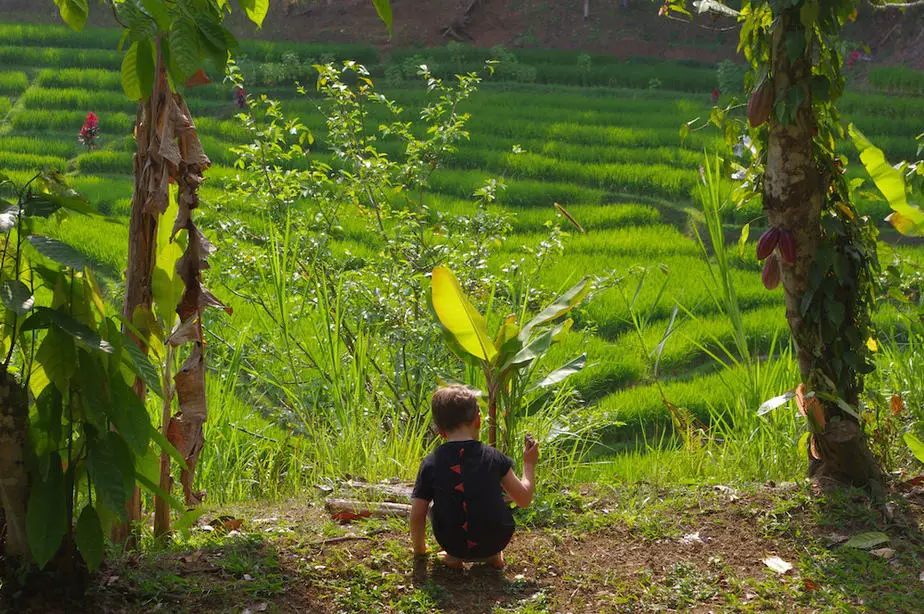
<point x="14" y="481"/>
<point x="794" y="192"/>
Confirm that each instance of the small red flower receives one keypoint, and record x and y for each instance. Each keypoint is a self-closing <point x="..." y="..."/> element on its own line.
<point x="715" y="95"/>
<point x="89" y="131"/>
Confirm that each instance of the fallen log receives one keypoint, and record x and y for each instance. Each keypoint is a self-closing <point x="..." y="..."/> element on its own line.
<point x="351" y="509"/>
<point x="395" y="493"/>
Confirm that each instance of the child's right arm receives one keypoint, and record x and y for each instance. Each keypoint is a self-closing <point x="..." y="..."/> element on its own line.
<point x="419" y="508"/>
<point x="521" y="491"/>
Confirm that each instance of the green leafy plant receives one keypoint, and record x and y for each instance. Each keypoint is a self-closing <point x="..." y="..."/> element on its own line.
<point x="899" y="184"/>
<point x="506" y="359"/>
<point x="74" y="435"/>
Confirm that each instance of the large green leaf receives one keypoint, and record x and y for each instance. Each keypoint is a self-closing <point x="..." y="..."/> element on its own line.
<point x="129" y="416"/>
<point x="915" y="445"/>
<point x="459" y="317"/>
<point x="89" y="537"/>
<point x="145" y="66"/>
<point x="46" y="516"/>
<point x="184" y="45"/>
<point x="141" y="365"/>
<point x="43" y="317"/>
<point x="131" y="82"/>
<point x="505" y="340"/>
<point x="868" y="540"/>
<point x="74" y="12"/>
<point x="62" y="253"/>
<point x="559" y="307"/>
<point x="215" y="35"/>
<point x="906" y="218"/>
<point x="57" y="357"/>
<point x="158" y="12"/>
<point x="533" y="350"/>
<point x="138" y="69"/>
<point x="383" y="8"/>
<point x="166" y="285"/>
<point x="111" y="470"/>
<point x="256" y="10"/>
<point x="94" y="388"/>
<point x="47" y="432"/>
<point x="16" y="296"/>
<point x="563" y="372"/>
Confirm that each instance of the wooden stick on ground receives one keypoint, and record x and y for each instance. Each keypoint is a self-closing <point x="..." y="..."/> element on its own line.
<point x="350" y="509"/>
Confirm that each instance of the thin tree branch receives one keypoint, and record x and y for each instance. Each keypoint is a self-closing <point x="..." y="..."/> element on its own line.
<point x="699" y="25"/>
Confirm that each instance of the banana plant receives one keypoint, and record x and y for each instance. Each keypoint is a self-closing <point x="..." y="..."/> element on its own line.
<point x="506" y="359"/>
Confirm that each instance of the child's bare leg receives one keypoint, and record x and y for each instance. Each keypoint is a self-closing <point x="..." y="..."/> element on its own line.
<point x="497" y="561"/>
<point x="450" y="561"/>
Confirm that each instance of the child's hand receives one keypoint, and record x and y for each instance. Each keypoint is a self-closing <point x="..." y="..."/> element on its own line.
<point x="530" y="451"/>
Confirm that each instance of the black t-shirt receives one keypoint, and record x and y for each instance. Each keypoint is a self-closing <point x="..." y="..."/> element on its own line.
<point x="469" y="516"/>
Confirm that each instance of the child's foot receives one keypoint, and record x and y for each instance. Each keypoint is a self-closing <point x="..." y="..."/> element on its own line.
<point x="450" y="561"/>
<point x="497" y="561"/>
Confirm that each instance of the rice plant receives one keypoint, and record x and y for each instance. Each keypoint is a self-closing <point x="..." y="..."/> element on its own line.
<point x="12" y="83"/>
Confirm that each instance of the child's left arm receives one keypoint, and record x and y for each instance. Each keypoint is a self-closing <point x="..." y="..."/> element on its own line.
<point x="419" y="508"/>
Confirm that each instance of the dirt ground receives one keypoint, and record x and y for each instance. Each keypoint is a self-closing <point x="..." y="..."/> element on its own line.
<point x="631" y="549"/>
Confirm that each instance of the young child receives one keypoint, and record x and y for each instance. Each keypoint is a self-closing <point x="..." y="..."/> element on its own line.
<point x="464" y="478"/>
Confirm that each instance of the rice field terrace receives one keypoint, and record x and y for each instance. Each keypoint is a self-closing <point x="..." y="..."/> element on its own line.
<point x="597" y="135"/>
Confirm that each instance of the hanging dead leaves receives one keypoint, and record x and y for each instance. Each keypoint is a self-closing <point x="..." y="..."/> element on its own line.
<point x="177" y="145"/>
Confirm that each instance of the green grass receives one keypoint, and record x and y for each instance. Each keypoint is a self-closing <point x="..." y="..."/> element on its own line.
<point x="900" y="79"/>
<point x="13" y="82"/>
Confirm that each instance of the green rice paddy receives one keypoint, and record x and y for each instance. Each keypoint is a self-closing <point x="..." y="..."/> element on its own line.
<point x="602" y="141"/>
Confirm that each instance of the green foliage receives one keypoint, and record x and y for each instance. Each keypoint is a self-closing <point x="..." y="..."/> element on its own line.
<point x="71" y="354"/>
<point x="507" y="358"/>
<point x="906" y="217"/>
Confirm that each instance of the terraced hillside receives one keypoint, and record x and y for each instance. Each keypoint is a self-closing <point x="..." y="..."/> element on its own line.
<point x="597" y="135"/>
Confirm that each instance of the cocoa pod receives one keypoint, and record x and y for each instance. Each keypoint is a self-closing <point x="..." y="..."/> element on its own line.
<point x="787" y="246"/>
<point x="760" y="104"/>
<point x="770" y="274"/>
<point x="767" y="243"/>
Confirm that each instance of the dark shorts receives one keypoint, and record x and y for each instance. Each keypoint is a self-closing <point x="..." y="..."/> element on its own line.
<point x="454" y="544"/>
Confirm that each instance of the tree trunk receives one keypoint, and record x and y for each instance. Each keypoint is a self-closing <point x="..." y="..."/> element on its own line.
<point x="794" y="192"/>
<point x="149" y="199"/>
<point x="14" y="481"/>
